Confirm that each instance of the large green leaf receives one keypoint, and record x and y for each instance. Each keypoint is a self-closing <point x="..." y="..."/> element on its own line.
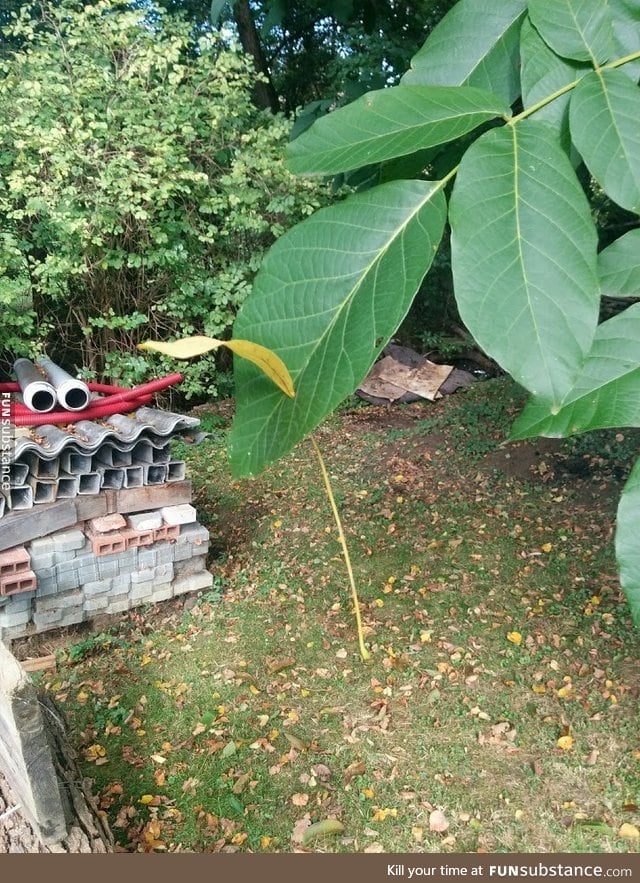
<point x="628" y="541"/>
<point x="607" y="392"/>
<point x="475" y="44"/>
<point x="327" y="298"/>
<point x="389" y="123"/>
<point x="542" y="74"/>
<point x="604" y="117"/>
<point x="578" y="29"/>
<point x="524" y="256"/>
<point x="619" y="266"/>
<point x="626" y="33"/>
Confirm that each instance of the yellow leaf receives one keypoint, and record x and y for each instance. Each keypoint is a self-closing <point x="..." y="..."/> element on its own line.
<point x="380" y="814"/>
<point x="628" y="831"/>
<point x="82" y="697"/>
<point x="565" y="691"/>
<point x="514" y="637"/>
<point x="367" y="793"/>
<point x="189" y="347"/>
<point x="265" y="842"/>
<point x="546" y="547"/>
<point x="565" y="742"/>
<point x="320" y="829"/>
<point x="146" y="799"/>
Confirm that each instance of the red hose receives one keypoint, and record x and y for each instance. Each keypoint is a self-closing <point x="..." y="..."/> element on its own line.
<point x="116" y="399"/>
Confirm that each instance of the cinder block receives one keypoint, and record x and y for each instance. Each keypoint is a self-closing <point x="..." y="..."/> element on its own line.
<point x="66" y="565"/>
<point x="145" y="520"/>
<point x="61" y="602"/>
<point x="96" y="603"/>
<point x="46" y="585"/>
<point x="68" y="540"/>
<point x="108" y="567"/>
<point x="193" y="583"/>
<point x="18" y="603"/>
<point x="16" y="560"/>
<point x="108" y="543"/>
<point x="118" y="605"/>
<point x="185" y="513"/>
<point x="88" y="574"/>
<point x="165" y="553"/>
<point x="18" y="582"/>
<point x="107" y="523"/>
<point x="190" y="566"/>
<point x="99" y="587"/>
<point x="166" y="533"/>
<point x="128" y="561"/>
<point x="136" y="538"/>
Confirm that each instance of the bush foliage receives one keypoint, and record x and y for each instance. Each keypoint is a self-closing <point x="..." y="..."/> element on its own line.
<point x="139" y="186"/>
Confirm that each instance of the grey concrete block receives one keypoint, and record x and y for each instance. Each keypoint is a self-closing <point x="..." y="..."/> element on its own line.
<point x="51" y="618"/>
<point x="46" y="586"/>
<point x="193" y="533"/>
<point x="96" y="603"/>
<point x="42" y="546"/>
<point x="193" y="583"/>
<point x="143" y="576"/>
<point x="127" y="561"/>
<point x="72" y="616"/>
<point x="9" y="618"/>
<point x="118" y="605"/>
<point x="162" y="593"/>
<point x="185" y="513"/>
<point x="148" y="557"/>
<point x="120" y="585"/>
<point x="141" y="594"/>
<point x="145" y="520"/>
<point x="59" y="602"/>
<point x="108" y="567"/>
<point x="16" y="603"/>
<point x="190" y="566"/>
<point x="165" y="553"/>
<point x="68" y="540"/>
<point x="66" y="579"/>
<point x="99" y="587"/>
<point x="66" y="565"/>
<point x="164" y="573"/>
<point x="88" y="574"/>
<point x="43" y="561"/>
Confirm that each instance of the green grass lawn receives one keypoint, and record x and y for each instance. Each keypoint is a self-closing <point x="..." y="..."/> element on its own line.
<point x="499" y="710"/>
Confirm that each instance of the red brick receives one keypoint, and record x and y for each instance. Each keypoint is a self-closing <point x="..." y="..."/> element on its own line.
<point x="25" y="581"/>
<point x="166" y="533"/>
<point x="107" y="523"/>
<point x="16" y="560"/>
<point x="108" y="543"/>
<point x="136" y="538"/>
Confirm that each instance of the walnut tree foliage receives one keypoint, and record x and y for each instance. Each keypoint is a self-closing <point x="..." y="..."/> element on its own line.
<point x="139" y="185"/>
<point x="506" y="110"/>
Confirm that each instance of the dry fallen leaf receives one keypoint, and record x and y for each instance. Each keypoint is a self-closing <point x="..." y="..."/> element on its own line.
<point x="630" y="832"/>
<point x="438" y="821"/>
<point x="300" y="799"/>
<point x="565" y="742"/>
<point x="514" y="637"/>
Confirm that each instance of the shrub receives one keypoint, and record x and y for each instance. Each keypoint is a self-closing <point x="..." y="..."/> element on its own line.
<point x="140" y="186"/>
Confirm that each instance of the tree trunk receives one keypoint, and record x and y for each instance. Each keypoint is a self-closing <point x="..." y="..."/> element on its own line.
<point x="264" y="93"/>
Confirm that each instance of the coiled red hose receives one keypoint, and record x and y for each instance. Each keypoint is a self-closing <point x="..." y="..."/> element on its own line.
<point x="115" y="399"/>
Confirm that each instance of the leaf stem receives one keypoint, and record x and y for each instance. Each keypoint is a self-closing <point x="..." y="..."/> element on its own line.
<point x="633" y="56"/>
<point x="345" y="549"/>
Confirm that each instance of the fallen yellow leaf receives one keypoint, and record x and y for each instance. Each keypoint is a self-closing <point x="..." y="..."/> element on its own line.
<point x="630" y="832"/>
<point x="565" y="742"/>
<point x="514" y="637"/>
<point x="546" y="547"/>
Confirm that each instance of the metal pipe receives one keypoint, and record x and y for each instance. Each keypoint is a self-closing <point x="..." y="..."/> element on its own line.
<point x="38" y="394"/>
<point x="72" y="394"/>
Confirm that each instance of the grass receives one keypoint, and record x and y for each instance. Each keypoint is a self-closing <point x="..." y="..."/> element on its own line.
<point x="495" y="624"/>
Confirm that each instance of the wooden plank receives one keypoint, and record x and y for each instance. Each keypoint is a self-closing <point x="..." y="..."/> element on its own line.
<point x="140" y="499"/>
<point x="20" y="527"/>
<point x="92" y="506"/>
<point x="39" y="663"/>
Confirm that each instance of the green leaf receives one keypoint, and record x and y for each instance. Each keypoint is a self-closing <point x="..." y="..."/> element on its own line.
<point x="578" y="29"/>
<point x="626" y="34"/>
<point x="604" y="117"/>
<point x="542" y="74"/>
<point x="607" y="392"/>
<point x="475" y="44"/>
<point x="327" y="298"/>
<point x="619" y="266"/>
<point x="524" y="256"/>
<point x="390" y="123"/>
<point x="628" y="541"/>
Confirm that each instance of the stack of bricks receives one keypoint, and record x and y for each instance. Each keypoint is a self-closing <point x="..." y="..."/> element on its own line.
<point x="106" y="564"/>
